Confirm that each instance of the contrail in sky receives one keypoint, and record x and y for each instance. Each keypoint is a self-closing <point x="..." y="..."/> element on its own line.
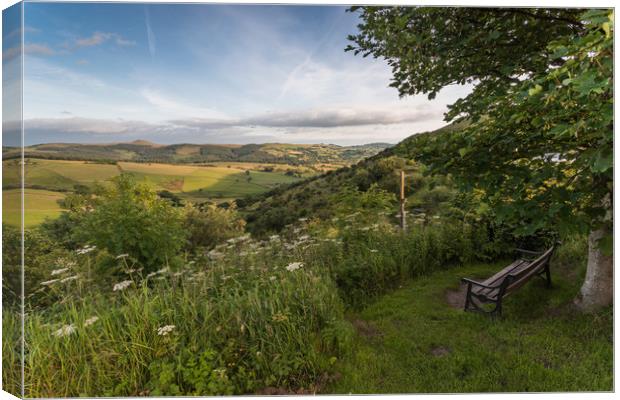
<point x="149" y="32"/>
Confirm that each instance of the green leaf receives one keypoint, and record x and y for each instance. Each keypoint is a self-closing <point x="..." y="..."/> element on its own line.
<point x="586" y="82"/>
<point x="535" y="90"/>
<point x="603" y="160"/>
<point x="607" y="29"/>
<point x="493" y="35"/>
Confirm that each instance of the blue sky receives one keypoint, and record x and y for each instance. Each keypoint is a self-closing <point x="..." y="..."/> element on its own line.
<point x="209" y="74"/>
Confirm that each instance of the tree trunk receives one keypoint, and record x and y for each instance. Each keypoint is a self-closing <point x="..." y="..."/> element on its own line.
<point x="598" y="288"/>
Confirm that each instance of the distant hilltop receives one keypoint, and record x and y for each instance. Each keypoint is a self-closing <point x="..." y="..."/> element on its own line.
<point x="146" y="151"/>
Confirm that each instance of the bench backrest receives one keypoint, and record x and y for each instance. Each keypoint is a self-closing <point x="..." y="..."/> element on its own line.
<point x="518" y="279"/>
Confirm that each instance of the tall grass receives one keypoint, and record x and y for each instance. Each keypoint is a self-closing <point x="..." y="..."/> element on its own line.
<point x="11" y="352"/>
<point x="376" y="257"/>
<point x="236" y="329"/>
<point x="241" y="318"/>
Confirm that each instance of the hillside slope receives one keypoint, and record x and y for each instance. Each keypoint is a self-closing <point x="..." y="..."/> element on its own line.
<point x="315" y="197"/>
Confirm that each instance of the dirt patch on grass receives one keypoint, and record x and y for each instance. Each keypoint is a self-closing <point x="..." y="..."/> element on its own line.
<point x="456" y="297"/>
<point x="176" y="184"/>
<point x="440" y="351"/>
<point x="365" y="328"/>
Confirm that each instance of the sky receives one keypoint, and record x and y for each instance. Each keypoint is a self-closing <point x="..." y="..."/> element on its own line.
<point x="197" y="73"/>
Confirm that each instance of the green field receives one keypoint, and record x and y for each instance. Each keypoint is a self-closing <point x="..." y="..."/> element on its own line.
<point x="39" y="204"/>
<point x="49" y="180"/>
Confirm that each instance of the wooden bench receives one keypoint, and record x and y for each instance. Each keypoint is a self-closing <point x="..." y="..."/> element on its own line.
<point x="493" y="290"/>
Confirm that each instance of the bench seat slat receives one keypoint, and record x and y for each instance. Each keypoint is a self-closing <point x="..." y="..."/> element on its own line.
<point x="496" y="279"/>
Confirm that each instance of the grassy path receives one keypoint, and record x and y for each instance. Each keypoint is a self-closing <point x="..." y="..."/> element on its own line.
<point x="413" y="341"/>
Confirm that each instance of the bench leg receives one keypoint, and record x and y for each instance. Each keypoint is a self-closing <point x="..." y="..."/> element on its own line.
<point x="467" y="297"/>
<point x="498" y="309"/>
<point x="548" y="275"/>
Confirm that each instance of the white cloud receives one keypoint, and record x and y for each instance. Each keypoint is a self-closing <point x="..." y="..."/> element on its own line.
<point x="93" y="126"/>
<point x="98" y="38"/>
<point x="320" y="118"/>
<point x="29" y="48"/>
<point x="177" y="108"/>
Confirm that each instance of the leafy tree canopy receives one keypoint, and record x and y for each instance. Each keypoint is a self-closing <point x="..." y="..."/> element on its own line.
<point x="539" y="132"/>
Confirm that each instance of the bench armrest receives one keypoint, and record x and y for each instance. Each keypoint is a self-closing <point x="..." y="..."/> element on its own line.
<point x="477" y="283"/>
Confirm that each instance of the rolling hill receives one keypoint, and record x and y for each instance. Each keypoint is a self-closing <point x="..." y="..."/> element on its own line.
<point x="144" y="151"/>
<point x="317" y="196"/>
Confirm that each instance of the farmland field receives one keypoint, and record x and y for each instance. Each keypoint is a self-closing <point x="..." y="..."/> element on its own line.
<point x="39" y="204"/>
<point x="48" y="181"/>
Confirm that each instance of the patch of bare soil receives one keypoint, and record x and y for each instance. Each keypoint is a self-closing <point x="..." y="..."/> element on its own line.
<point x="440" y="351"/>
<point x="175" y="184"/>
<point x="365" y="328"/>
<point x="456" y="298"/>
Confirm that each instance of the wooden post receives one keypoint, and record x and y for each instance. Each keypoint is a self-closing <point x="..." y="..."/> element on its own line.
<point x="402" y="200"/>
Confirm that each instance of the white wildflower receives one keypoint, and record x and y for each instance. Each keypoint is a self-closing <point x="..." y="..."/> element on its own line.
<point x="86" y="249"/>
<point x="164" y="330"/>
<point x="272" y="278"/>
<point x="152" y="274"/>
<point x="91" y="321"/>
<point x="122" y="256"/>
<point x="238" y="239"/>
<point x="294" y="266"/>
<point x="65" y="331"/>
<point x="214" y="255"/>
<point x="304" y="238"/>
<point x="59" y="271"/>
<point x="46" y="283"/>
<point x="70" y="278"/>
<point x="121" y="285"/>
<point x="274" y="237"/>
<point x="165" y="269"/>
<point x="302" y="219"/>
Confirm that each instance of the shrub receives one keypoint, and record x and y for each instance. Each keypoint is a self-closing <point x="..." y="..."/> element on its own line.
<point x="210" y="224"/>
<point x="41" y="257"/>
<point x="129" y="218"/>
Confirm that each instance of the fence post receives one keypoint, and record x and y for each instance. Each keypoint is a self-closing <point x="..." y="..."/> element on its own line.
<point x="403" y="224"/>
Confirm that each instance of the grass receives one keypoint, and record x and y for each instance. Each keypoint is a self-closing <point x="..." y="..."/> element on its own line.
<point x="39" y="204"/>
<point x="412" y="341"/>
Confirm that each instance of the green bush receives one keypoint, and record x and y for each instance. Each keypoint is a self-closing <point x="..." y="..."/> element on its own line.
<point x="41" y="257"/>
<point x="210" y="225"/>
<point x="129" y="218"/>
